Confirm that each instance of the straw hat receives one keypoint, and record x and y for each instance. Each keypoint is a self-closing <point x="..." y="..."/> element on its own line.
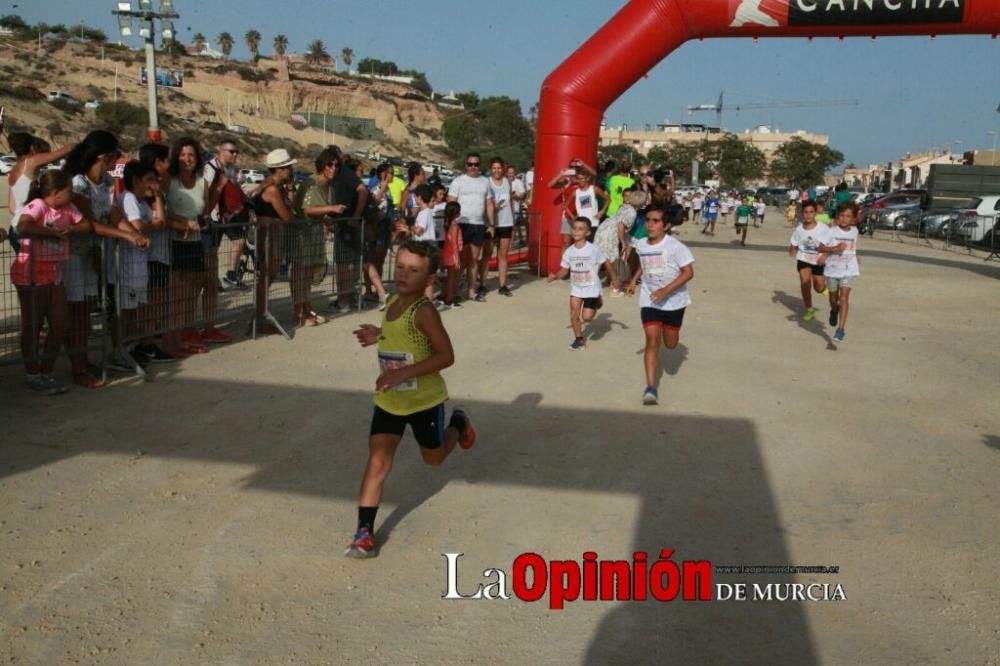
<point x="279" y="158"/>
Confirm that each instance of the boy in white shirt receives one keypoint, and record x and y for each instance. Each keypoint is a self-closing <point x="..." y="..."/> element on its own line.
<point x="423" y="225"/>
<point x="760" y="208"/>
<point x="666" y="266"/>
<point x="582" y="260"/>
<point x="842" y="269"/>
<point x="804" y="248"/>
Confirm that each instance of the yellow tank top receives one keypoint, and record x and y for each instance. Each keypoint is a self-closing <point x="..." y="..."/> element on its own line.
<point x="402" y="344"/>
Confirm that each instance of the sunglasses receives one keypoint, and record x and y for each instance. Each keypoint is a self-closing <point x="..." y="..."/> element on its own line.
<point x="472" y="164"/>
<point x="232" y="151"/>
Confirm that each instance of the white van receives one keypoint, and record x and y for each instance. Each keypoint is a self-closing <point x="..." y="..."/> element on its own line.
<point x="55" y="95"/>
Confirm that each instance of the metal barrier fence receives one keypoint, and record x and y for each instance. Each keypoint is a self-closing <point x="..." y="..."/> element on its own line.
<point x="123" y="303"/>
<point x="945" y="230"/>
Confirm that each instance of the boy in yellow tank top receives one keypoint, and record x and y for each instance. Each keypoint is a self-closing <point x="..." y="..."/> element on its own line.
<point x="413" y="348"/>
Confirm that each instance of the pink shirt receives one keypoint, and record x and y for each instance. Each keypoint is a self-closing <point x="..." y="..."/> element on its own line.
<point x="38" y="259"/>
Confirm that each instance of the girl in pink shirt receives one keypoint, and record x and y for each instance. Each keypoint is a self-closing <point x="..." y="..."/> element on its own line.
<point x="45" y="224"/>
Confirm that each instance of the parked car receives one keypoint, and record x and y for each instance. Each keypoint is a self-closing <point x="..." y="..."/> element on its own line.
<point x="252" y="176"/>
<point x="901" y="215"/>
<point x="868" y="218"/>
<point x="57" y="95"/>
<point x="238" y="129"/>
<point x="773" y="196"/>
<point x="980" y="229"/>
<point x="92" y="104"/>
<point x="7" y="163"/>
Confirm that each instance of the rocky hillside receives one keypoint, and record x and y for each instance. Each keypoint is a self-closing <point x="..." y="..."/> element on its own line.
<point x="262" y="98"/>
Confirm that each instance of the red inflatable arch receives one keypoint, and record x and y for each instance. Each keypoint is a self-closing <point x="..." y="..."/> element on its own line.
<point x="575" y="95"/>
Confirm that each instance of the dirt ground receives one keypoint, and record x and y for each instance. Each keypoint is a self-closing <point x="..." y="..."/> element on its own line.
<point x="201" y="518"/>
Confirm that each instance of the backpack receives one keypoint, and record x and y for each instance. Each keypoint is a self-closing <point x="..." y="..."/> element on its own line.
<point x="234" y="205"/>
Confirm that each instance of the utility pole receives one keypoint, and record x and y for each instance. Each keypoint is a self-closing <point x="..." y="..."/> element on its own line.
<point x="147" y="18"/>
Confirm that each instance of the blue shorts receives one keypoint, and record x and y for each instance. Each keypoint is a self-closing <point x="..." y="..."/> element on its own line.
<point x="711" y="216"/>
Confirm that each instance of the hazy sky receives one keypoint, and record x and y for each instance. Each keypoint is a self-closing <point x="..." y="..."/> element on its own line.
<point x="914" y="93"/>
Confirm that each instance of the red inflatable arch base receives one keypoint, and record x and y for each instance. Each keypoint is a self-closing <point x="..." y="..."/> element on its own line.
<point x="575" y="96"/>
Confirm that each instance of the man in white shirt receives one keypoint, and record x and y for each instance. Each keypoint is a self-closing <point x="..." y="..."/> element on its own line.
<point x="472" y="192"/>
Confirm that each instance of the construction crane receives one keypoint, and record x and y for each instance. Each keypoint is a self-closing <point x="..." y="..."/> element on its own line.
<point x="801" y="104"/>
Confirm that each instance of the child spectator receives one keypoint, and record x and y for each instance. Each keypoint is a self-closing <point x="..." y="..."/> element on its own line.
<point x="423" y="224"/>
<point x="842" y="268"/>
<point x="413" y="348"/>
<point x="450" y="257"/>
<point x="45" y="224"/>
<point x="666" y="266"/>
<point x="582" y="261"/>
<point x="760" y="208"/>
<point x="142" y="209"/>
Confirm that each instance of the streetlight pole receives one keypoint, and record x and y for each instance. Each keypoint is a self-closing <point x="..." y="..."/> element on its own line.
<point x="993" y="155"/>
<point x="147" y="17"/>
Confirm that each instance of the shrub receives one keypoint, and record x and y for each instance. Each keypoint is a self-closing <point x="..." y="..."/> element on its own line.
<point x="67" y="107"/>
<point x="116" y="116"/>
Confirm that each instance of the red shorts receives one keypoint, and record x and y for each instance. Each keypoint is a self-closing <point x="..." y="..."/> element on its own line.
<point x="45" y="272"/>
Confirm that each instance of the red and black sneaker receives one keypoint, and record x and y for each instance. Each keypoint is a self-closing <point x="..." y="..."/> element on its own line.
<point x="461" y="422"/>
<point x="363" y="545"/>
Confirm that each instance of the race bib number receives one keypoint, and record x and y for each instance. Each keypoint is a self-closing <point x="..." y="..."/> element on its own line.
<point x="654" y="264"/>
<point x="849" y="250"/>
<point x="388" y="360"/>
<point x="581" y="275"/>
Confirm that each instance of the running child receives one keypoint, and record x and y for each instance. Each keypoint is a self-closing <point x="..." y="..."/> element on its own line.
<point x="804" y="247"/>
<point x="711" y="213"/>
<point x="413" y="348"/>
<point x="44" y="226"/>
<point x="666" y="266"/>
<point x="451" y="254"/>
<point x="760" y="208"/>
<point x="582" y="261"/>
<point x="842" y="269"/>
<point x="725" y="204"/>
<point x="743" y="213"/>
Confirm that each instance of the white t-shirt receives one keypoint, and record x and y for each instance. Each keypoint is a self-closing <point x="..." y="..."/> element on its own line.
<point x="696" y="202"/>
<point x="661" y="264"/>
<point x="529" y="179"/>
<point x="846" y="264"/>
<point x="501" y="199"/>
<point x="471" y="195"/>
<point x="134" y="259"/>
<point x="517" y="187"/>
<point x="586" y="204"/>
<point x="438" y="212"/>
<point x="808" y="241"/>
<point x="760" y="208"/>
<point x="425" y="220"/>
<point x="724" y="205"/>
<point x="583" y="264"/>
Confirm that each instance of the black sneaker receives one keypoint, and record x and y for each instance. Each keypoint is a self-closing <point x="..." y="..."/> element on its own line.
<point x="834" y="315"/>
<point x="155" y="354"/>
<point x="233" y="280"/>
<point x="578" y="344"/>
<point x="504" y="291"/>
<point x="482" y="291"/>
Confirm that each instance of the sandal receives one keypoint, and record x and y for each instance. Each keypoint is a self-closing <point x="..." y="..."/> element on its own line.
<point x="87" y="380"/>
<point x="318" y="318"/>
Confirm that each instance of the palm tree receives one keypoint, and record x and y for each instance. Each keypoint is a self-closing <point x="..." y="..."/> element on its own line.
<point x="200" y="39"/>
<point x="225" y="42"/>
<point x="316" y="52"/>
<point x="280" y="45"/>
<point x="347" y="54"/>
<point x="253" y="42"/>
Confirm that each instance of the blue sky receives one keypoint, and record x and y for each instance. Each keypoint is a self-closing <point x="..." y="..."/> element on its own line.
<point x="914" y="93"/>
